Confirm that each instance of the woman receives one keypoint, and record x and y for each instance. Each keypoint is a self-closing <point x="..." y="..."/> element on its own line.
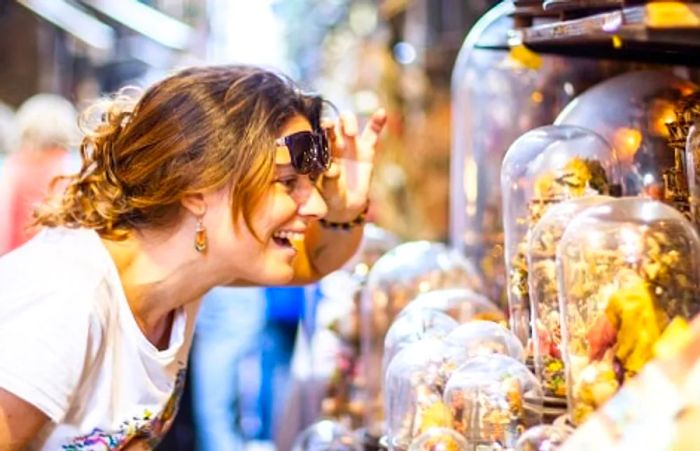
<point x="217" y="176"/>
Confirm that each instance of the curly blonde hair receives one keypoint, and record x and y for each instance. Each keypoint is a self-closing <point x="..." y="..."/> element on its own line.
<point x="197" y="131"/>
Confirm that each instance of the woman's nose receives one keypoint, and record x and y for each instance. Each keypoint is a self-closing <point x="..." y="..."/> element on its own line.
<point x="314" y="205"/>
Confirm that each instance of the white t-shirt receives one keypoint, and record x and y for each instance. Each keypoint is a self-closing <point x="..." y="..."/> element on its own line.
<point x="69" y="345"/>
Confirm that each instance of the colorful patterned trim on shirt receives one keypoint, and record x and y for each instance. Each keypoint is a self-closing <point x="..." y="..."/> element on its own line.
<point x="146" y="427"/>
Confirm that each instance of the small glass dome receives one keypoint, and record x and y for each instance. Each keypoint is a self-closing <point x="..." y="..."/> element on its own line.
<point x="478" y="338"/>
<point x="326" y="435"/>
<point x="493" y="399"/>
<point x="439" y="439"/>
<point x="412" y="326"/>
<point x="626" y="270"/>
<point x="692" y="159"/>
<point x="413" y="388"/>
<point x="542" y="438"/>
<point x="545" y="166"/>
<point x="544" y="299"/>
<point x="395" y="279"/>
<point x="375" y="243"/>
<point x="462" y="304"/>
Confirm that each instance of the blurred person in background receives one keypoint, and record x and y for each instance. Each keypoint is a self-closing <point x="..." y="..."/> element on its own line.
<point x="283" y="310"/>
<point x="46" y="127"/>
<point x="224" y="367"/>
<point x="215" y="176"/>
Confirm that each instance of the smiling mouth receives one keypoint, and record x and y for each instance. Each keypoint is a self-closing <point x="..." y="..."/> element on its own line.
<point x="284" y="238"/>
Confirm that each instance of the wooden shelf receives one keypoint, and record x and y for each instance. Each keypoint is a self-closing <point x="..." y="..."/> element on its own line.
<point x="663" y="32"/>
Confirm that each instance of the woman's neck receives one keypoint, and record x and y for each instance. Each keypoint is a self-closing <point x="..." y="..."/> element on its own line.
<point x="158" y="277"/>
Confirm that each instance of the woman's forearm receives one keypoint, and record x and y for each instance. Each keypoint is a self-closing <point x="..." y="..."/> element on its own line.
<point x="325" y="250"/>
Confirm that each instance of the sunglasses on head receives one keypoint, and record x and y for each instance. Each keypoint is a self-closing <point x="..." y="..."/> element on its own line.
<point x="307" y="150"/>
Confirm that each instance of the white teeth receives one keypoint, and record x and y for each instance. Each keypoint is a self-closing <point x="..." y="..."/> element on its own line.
<point x="289" y="235"/>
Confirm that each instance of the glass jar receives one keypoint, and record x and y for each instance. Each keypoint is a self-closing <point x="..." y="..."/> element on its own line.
<point x="394" y="280"/>
<point x="492" y="400"/>
<point x="413" y="390"/>
<point x="544" y="299"/>
<point x="414" y="325"/>
<point x="478" y="338"/>
<point x="543" y="167"/>
<point x="462" y="304"/>
<point x="439" y="439"/>
<point x="626" y="270"/>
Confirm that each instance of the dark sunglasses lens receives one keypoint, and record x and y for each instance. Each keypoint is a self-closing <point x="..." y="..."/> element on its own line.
<point x="300" y="146"/>
<point x="308" y="152"/>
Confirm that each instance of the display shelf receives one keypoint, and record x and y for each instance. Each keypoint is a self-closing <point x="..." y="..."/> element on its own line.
<point x="660" y="32"/>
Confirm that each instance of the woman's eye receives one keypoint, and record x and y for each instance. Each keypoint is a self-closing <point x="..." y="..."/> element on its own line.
<point x="288" y="182"/>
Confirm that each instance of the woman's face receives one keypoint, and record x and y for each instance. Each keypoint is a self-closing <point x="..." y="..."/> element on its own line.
<point x="280" y="219"/>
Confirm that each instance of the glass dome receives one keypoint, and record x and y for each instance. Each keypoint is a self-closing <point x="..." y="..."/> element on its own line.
<point x="375" y="243"/>
<point x="626" y="269"/>
<point x="544" y="299"/>
<point x="545" y="166"/>
<point x="413" y="388"/>
<point x="542" y="438"/>
<point x="478" y="338"/>
<point x="522" y="91"/>
<point x="412" y="326"/>
<point x="326" y="435"/>
<point x="439" y="439"/>
<point x="462" y="304"/>
<point x="631" y="111"/>
<point x="492" y="400"/>
<point x="692" y="158"/>
<point x="394" y="280"/>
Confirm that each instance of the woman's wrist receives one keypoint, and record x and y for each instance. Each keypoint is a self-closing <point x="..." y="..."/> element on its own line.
<point x="357" y="220"/>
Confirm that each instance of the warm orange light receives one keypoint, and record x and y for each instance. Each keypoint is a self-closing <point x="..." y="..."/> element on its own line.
<point x="661" y="112"/>
<point x="627" y="142"/>
<point x="536" y="97"/>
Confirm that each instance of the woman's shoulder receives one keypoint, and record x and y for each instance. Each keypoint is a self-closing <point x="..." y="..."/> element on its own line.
<point x="56" y="263"/>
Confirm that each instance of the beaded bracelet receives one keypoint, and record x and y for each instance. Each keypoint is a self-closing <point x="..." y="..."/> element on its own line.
<point x="361" y="218"/>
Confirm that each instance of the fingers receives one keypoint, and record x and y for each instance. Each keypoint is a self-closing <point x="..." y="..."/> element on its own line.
<point x="374" y="127"/>
<point x="345" y="140"/>
<point x="349" y="130"/>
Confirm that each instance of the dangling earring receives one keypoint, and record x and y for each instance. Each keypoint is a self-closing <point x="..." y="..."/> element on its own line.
<point x="200" y="237"/>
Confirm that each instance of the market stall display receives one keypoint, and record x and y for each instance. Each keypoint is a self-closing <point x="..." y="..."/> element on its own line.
<point x="499" y="93"/>
<point x="395" y="280"/>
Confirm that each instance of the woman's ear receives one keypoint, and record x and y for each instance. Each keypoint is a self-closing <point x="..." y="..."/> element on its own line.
<point x="195" y="204"/>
